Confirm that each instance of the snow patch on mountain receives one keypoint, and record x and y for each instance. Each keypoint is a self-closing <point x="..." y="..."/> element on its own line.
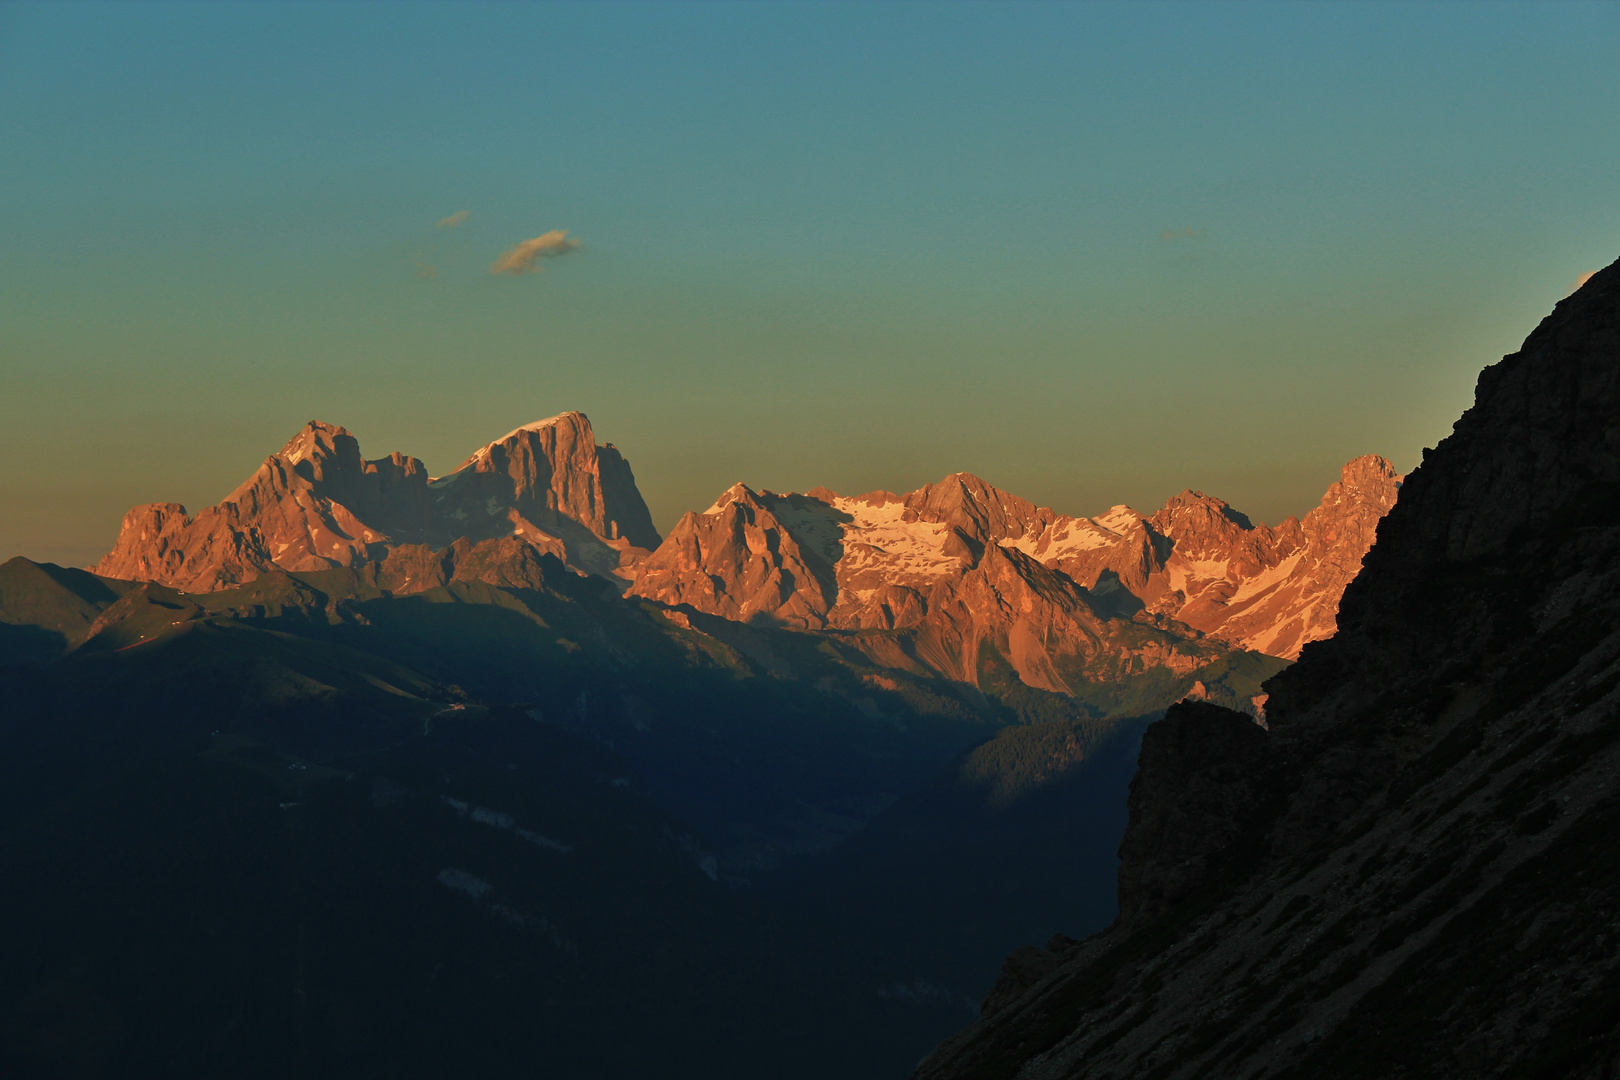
<point x="880" y="538"/>
<point x="1064" y="538"/>
<point x="537" y="425"/>
<point x="1119" y="518"/>
<point x="1266" y="580"/>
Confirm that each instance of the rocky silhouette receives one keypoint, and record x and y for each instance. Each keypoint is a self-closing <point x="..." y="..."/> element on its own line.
<point x="1412" y="872"/>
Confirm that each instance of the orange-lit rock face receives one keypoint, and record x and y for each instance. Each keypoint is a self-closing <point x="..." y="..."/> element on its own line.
<point x="1271" y="589"/>
<point x="931" y="566"/>
<point x="316" y="504"/>
<point x="963" y="550"/>
<point x="547" y="471"/>
<point x="740" y="560"/>
<point x="953" y="564"/>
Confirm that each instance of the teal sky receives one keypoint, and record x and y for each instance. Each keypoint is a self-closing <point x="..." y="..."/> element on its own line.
<point x="1094" y="253"/>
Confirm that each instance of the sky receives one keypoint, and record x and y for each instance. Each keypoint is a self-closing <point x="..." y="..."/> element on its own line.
<point x="1094" y="253"/>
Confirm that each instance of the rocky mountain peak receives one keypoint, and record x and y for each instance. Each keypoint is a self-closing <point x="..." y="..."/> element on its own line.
<point x="740" y="560"/>
<point x="315" y="439"/>
<point x="575" y="428"/>
<point x="1120" y="518"/>
<point x="736" y="493"/>
<point x="1200" y="524"/>
<point x="983" y="512"/>
<point x="552" y="471"/>
<point x="1368" y="476"/>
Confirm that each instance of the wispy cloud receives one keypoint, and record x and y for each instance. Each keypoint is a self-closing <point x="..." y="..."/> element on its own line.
<point x="1582" y="280"/>
<point x="424" y="268"/>
<point x="522" y="259"/>
<point x="1181" y="234"/>
<point x="454" y="219"/>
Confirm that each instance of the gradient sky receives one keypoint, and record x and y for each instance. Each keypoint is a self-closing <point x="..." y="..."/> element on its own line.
<point x="1093" y="253"/>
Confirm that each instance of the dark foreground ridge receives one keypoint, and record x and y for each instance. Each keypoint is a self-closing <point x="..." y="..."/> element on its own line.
<point x="1416" y="871"/>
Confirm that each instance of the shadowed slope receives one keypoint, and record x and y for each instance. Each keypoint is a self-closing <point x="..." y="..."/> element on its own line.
<point x="1413" y="873"/>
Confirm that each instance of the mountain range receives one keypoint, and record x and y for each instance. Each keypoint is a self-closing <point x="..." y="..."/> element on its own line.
<point x="827" y="730"/>
<point x="930" y="560"/>
<point x="949" y="568"/>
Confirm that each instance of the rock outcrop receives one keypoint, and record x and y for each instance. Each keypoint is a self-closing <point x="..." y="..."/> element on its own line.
<point x="317" y="504"/>
<point x="1199" y="784"/>
<point x="1270" y="589"/>
<point x="1413" y="871"/>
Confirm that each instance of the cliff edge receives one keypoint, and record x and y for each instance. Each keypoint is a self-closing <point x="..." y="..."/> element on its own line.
<point x="1414" y="871"/>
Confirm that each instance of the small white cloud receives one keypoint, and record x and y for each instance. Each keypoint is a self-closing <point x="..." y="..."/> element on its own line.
<point x="454" y="219"/>
<point x="522" y="258"/>
<point x="424" y="269"/>
<point x="1188" y="233"/>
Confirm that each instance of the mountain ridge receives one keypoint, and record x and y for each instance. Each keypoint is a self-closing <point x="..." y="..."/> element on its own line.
<point x="317" y="504"/>
<point x="880" y="560"/>
<point x="957" y="578"/>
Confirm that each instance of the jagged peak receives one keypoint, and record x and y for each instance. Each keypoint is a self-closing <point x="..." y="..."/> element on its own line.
<point x="323" y="426"/>
<point x="1191" y="497"/>
<point x="1192" y="506"/>
<point x="1120" y="518"/>
<point x="314" y="436"/>
<point x="738" y="492"/>
<point x="970" y="486"/>
<point x="316" y="503"/>
<point x="1373" y="468"/>
<point x="573" y="419"/>
<point x="971" y="483"/>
